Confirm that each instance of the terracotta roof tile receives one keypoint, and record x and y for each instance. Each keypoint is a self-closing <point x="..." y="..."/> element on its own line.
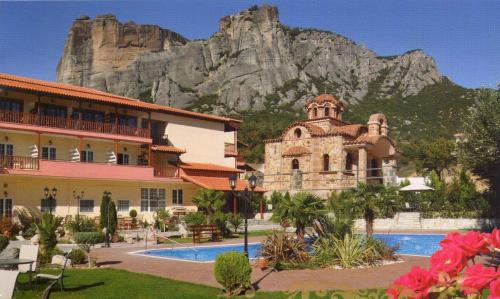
<point x="217" y="183"/>
<point x="296" y="151"/>
<point x="324" y="98"/>
<point x="207" y="166"/>
<point x="364" y="139"/>
<point x="67" y="90"/>
<point x="167" y="149"/>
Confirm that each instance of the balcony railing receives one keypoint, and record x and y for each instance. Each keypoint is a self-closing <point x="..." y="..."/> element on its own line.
<point x="18" y="162"/>
<point x="166" y="171"/>
<point x="71" y="124"/>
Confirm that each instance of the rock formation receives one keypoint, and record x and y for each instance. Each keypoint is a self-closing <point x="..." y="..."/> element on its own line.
<point x="251" y="62"/>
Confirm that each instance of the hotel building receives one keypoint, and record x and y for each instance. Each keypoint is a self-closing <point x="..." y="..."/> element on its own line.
<point x="80" y="142"/>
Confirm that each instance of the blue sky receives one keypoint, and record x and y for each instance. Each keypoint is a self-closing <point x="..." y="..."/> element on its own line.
<point x="462" y="35"/>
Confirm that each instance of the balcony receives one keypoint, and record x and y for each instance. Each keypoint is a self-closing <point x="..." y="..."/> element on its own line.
<point x="71" y="169"/>
<point x="230" y="150"/>
<point x="72" y="124"/>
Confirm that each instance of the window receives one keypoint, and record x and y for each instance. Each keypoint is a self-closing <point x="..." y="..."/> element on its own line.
<point x="348" y="161"/>
<point x="6" y="149"/>
<point x="48" y="153"/>
<point x="53" y="110"/>
<point x="123" y="159"/>
<point x="123" y="205"/>
<point x="297" y="133"/>
<point x="87" y="205"/>
<point x="152" y="199"/>
<point x="327" y="111"/>
<point x="87" y="156"/>
<point x="88" y="115"/>
<point x="48" y="205"/>
<point x="315" y="112"/>
<point x="11" y="105"/>
<point x="295" y="164"/>
<point x="124" y="120"/>
<point x="326" y="162"/>
<point x="177" y="197"/>
<point x="374" y="168"/>
<point x="6" y="207"/>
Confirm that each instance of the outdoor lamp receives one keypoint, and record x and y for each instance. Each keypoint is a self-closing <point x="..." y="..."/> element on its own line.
<point x="253" y="181"/>
<point x="46" y="191"/>
<point x="54" y="192"/>
<point x="232" y="182"/>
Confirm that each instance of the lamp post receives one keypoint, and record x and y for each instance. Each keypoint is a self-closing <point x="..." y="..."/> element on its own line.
<point x="51" y="197"/>
<point x="252" y="180"/>
<point x="78" y="198"/>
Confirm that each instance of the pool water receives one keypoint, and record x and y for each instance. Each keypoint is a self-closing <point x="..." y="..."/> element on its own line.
<point x="412" y="244"/>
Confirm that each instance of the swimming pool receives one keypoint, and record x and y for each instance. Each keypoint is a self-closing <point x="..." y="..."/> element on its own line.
<point x="411" y="244"/>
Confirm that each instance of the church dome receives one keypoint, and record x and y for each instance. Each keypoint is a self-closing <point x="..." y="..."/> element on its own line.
<point x="324" y="105"/>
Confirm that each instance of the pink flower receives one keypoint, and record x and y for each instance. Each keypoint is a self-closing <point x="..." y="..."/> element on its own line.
<point x="448" y="261"/>
<point x="494" y="238"/>
<point x="472" y="243"/>
<point x="494" y="290"/>
<point x="478" y="277"/>
<point x="414" y="284"/>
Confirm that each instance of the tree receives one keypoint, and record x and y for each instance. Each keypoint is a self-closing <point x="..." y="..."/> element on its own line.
<point x="106" y="204"/>
<point x="236" y="221"/>
<point x="367" y="199"/>
<point x="437" y="155"/>
<point x="301" y="210"/>
<point x="46" y="229"/>
<point x="210" y="200"/>
<point x="479" y="149"/>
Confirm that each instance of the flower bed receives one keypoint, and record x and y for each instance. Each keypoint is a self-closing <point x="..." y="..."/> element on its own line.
<point x="453" y="271"/>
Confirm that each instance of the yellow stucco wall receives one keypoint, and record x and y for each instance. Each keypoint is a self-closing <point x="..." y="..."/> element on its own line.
<point x="27" y="191"/>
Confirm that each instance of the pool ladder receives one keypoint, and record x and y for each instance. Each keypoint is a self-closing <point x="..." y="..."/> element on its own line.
<point x="173" y="241"/>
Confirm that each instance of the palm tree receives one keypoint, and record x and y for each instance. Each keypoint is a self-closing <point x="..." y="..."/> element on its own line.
<point x="210" y="200"/>
<point x="46" y="229"/>
<point x="367" y="199"/>
<point x="301" y="210"/>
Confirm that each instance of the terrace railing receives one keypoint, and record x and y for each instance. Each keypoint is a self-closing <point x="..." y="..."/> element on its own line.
<point x="72" y="124"/>
<point x="18" y="162"/>
<point x="166" y="171"/>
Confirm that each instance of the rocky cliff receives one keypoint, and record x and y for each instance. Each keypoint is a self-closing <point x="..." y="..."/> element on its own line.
<point x="253" y="61"/>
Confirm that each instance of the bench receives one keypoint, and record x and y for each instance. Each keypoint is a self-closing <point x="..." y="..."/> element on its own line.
<point x="199" y="230"/>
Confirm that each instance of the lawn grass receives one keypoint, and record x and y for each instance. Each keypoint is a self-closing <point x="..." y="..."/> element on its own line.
<point x="121" y="284"/>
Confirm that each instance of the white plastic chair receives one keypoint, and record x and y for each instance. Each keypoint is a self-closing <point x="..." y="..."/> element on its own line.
<point x="8" y="279"/>
<point x="29" y="252"/>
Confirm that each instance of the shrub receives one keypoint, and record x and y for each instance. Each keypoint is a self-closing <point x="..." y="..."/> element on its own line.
<point x="27" y="218"/>
<point x="47" y="229"/>
<point x="8" y="228"/>
<point x="80" y="224"/>
<point x="195" y="219"/>
<point x="108" y="208"/>
<point x="86" y="240"/>
<point x="77" y="256"/>
<point x="232" y="270"/>
<point x="236" y="221"/>
<point x="220" y="220"/>
<point x="132" y="213"/>
<point x="4" y="242"/>
<point x="283" y="250"/>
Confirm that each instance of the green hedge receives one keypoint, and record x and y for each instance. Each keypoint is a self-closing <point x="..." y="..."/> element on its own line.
<point x="232" y="270"/>
<point x="4" y="242"/>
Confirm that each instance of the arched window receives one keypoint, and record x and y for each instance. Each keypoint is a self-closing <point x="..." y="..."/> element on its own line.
<point x="327" y="111"/>
<point x="326" y="162"/>
<point x="380" y="123"/>
<point x="374" y="168"/>
<point x="295" y="164"/>
<point x="315" y="112"/>
<point x="297" y="133"/>
<point x="348" y="161"/>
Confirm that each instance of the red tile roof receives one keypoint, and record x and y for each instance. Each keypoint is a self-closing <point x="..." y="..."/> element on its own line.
<point x="167" y="149"/>
<point x="296" y="151"/>
<point x="217" y="183"/>
<point x="207" y="166"/>
<point x="367" y="139"/>
<point x="60" y="89"/>
<point x="323" y="98"/>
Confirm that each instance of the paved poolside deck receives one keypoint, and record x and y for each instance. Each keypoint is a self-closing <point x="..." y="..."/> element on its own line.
<point x="290" y="280"/>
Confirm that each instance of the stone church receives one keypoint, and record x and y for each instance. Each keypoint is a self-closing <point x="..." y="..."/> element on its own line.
<point x="324" y="153"/>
